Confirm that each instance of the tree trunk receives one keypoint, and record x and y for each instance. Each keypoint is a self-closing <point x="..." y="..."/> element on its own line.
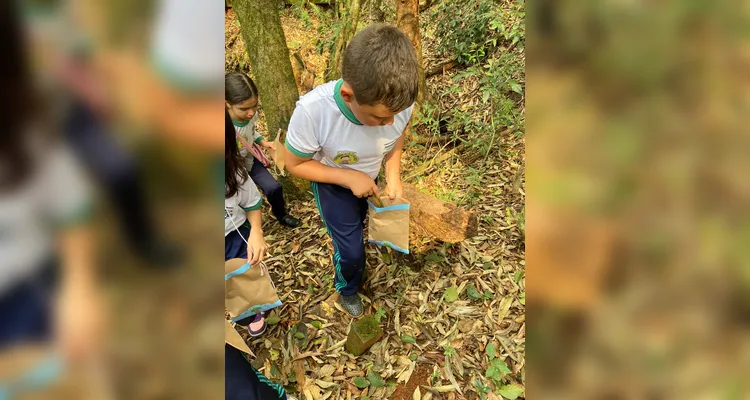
<point x="407" y="19"/>
<point x="264" y="39"/>
<point x="333" y="71"/>
<point x="376" y="12"/>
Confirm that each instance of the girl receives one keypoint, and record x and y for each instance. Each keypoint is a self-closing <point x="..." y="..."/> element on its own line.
<point x="241" y="96"/>
<point x="48" y="286"/>
<point x="242" y="204"/>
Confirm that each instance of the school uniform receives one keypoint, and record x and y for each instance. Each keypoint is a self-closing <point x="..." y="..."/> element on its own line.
<point x="236" y="207"/>
<point x="258" y="172"/>
<point x="242" y="381"/>
<point x="55" y="196"/>
<point x="324" y="129"/>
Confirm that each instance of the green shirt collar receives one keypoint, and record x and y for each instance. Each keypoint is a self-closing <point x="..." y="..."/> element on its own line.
<point x="240" y="124"/>
<point x="342" y="105"/>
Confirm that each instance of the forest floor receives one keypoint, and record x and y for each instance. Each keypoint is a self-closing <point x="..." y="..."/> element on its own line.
<point x="454" y="315"/>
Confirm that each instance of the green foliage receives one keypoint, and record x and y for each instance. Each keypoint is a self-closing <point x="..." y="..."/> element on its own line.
<point x="361" y="382"/>
<point x="471" y="30"/>
<point x="375" y="380"/>
<point x="482" y="389"/>
<point x="511" y="392"/>
<point x="451" y="294"/>
<point x="408" y="339"/>
<point x="380" y="314"/>
<point x="497" y="370"/>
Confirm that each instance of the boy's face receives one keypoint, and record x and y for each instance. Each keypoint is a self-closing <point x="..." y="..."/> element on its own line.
<point x="376" y="115"/>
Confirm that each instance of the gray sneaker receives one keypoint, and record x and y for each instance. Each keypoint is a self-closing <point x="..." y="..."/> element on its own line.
<point x="352" y="304"/>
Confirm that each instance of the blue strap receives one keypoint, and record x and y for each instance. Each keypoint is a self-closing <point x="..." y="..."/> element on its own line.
<point x="389" y="244"/>
<point x="239" y="271"/>
<point x="396" y="207"/>
<point x="41" y="375"/>
<point x="255" y="310"/>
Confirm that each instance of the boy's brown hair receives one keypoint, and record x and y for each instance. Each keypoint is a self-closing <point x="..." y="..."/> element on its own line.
<point x="381" y="67"/>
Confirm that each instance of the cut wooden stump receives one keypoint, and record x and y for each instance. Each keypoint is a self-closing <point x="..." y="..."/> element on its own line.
<point x="438" y="219"/>
<point x="363" y="334"/>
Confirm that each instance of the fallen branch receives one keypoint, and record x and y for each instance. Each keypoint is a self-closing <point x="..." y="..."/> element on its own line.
<point x="435" y="139"/>
<point x="438" y="219"/>
<point x="440" y="68"/>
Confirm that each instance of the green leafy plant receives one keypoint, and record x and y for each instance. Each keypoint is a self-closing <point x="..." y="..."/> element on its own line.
<point x="380" y="314"/>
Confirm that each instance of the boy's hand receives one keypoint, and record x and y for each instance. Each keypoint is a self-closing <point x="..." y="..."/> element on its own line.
<point x="256" y="249"/>
<point x="394" y="189"/>
<point x="362" y="185"/>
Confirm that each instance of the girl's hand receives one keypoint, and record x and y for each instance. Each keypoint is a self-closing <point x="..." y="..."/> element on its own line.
<point x="79" y="321"/>
<point x="269" y="145"/>
<point x="256" y="249"/>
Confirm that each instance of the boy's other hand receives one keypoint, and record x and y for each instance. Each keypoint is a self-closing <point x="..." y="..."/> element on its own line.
<point x="362" y="185"/>
<point x="394" y="189"/>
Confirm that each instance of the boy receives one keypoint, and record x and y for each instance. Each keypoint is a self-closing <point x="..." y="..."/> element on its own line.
<point x="339" y="135"/>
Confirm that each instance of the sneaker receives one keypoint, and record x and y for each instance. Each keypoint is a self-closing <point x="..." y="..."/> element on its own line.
<point x="258" y="326"/>
<point x="290" y="221"/>
<point x="352" y="304"/>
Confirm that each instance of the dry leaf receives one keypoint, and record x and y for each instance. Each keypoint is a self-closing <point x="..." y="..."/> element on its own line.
<point x="417" y="394"/>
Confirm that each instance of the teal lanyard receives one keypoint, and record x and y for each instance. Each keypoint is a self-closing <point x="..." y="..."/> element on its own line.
<point x="41" y="375"/>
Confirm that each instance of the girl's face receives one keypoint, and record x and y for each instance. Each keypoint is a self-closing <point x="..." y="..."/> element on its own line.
<point x="245" y="110"/>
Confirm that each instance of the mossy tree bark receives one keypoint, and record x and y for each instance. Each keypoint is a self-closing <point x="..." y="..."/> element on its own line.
<point x="265" y="43"/>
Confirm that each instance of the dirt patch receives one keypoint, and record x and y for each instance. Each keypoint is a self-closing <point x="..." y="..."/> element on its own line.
<point x="419" y="377"/>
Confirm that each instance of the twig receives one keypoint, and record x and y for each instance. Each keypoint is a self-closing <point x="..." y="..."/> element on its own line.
<point x="436" y="159"/>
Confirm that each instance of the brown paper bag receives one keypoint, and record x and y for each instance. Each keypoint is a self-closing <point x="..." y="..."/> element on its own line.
<point x="232" y="338"/>
<point x="389" y="225"/>
<point x="278" y="155"/>
<point x="248" y="290"/>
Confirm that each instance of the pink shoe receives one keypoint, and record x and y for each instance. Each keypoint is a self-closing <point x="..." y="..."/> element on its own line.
<point x="258" y="326"/>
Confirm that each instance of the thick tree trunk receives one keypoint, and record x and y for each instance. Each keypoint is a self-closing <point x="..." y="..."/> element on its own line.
<point x="407" y="19"/>
<point x="264" y="39"/>
<point x="269" y="58"/>
<point x="438" y="219"/>
<point x="333" y="71"/>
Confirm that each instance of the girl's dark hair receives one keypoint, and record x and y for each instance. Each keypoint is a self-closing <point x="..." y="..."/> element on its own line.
<point x="234" y="168"/>
<point x="238" y="87"/>
<point x="15" y="99"/>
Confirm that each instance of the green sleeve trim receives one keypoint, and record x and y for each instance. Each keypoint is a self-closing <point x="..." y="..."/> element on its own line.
<point x="255" y="207"/>
<point x="259" y="139"/>
<point x="179" y="80"/>
<point x="297" y="152"/>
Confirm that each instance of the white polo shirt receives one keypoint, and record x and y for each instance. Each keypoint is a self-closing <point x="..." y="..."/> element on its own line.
<point x="248" y="132"/>
<point x="322" y="127"/>
<point x="56" y="195"/>
<point x="236" y="207"/>
<point x="188" y="44"/>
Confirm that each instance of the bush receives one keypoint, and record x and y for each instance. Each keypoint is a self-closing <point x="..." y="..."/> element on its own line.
<point x="472" y="30"/>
